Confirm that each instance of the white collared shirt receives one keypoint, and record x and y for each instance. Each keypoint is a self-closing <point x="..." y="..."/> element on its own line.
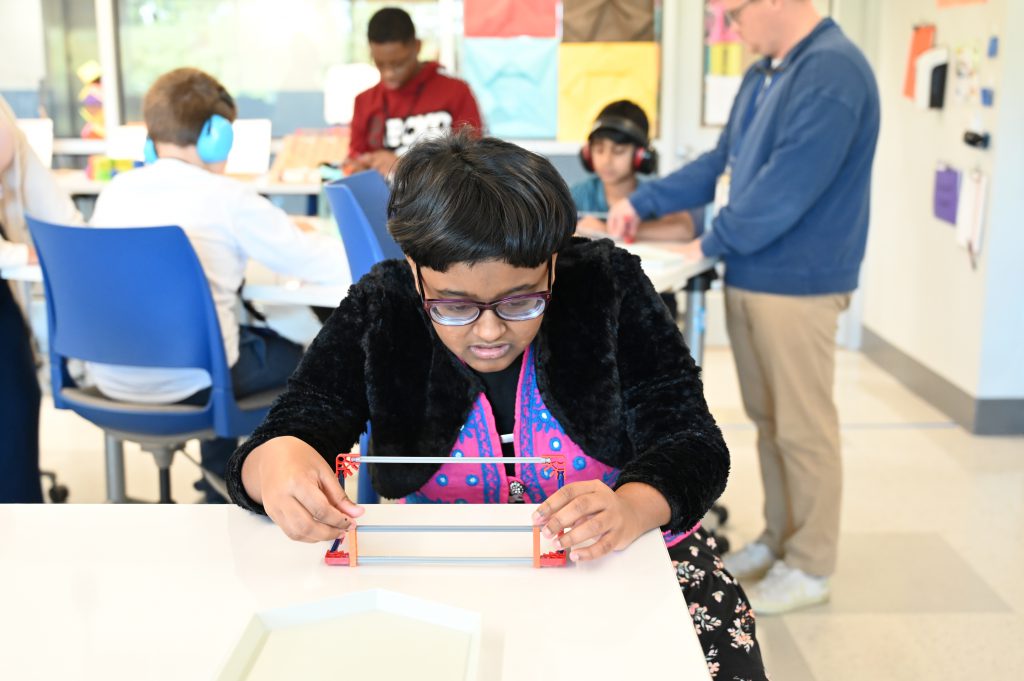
<point x="228" y="223"/>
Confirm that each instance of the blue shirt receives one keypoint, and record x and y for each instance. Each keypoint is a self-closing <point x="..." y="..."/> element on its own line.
<point x="589" y="194"/>
<point x="799" y="152"/>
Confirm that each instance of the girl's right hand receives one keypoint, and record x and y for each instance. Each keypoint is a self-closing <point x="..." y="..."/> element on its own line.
<point x="298" y="490"/>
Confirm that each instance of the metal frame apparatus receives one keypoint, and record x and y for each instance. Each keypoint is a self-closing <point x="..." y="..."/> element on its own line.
<point x="347" y="464"/>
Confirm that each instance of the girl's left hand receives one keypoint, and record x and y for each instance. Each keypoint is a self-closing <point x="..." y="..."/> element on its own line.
<point x="594" y="511"/>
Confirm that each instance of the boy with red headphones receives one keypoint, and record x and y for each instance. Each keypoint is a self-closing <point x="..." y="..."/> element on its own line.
<point x="617" y="149"/>
<point x="188" y="118"/>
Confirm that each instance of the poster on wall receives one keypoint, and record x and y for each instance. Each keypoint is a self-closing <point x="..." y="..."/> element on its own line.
<point x="725" y="59"/>
<point x="922" y="40"/>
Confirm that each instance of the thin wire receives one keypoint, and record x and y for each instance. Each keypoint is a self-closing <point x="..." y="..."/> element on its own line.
<point x="450" y="459"/>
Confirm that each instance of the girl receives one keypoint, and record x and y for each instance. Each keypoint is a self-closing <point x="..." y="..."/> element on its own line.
<point x="499" y="322"/>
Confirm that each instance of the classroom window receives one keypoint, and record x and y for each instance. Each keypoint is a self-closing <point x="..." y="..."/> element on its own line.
<point x="42" y="45"/>
<point x="272" y="56"/>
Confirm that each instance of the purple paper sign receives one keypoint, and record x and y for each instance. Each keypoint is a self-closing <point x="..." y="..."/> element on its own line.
<point x="947" y="193"/>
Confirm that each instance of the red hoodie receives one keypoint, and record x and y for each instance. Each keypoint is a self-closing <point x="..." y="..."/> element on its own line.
<point x="393" y="119"/>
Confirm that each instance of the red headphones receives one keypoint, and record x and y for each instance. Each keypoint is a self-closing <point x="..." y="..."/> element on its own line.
<point x="645" y="160"/>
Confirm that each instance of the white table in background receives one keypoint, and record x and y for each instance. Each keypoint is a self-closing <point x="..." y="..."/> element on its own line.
<point x="164" y="592"/>
<point x="76" y="183"/>
<point x="662" y="262"/>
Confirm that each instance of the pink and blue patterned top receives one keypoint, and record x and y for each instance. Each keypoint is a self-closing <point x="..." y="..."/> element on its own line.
<point x="537" y="433"/>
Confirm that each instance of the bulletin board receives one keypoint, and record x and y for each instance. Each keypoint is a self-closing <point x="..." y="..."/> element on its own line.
<point x="543" y="69"/>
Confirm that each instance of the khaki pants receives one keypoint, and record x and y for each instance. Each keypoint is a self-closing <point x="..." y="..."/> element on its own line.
<point x="784" y="348"/>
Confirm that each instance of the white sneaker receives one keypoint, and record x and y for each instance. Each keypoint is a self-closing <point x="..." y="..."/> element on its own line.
<point x="749" y="562"/>
<point x="787" y="588"/>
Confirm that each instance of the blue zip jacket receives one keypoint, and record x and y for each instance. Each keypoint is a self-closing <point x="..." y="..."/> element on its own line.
<point x="799" y="150"/>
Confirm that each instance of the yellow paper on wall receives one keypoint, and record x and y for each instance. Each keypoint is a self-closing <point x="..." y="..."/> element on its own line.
<point x="591" y="75"/>
<point x="732" y="59"/>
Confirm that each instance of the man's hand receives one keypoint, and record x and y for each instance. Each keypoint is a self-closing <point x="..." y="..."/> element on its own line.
<point x="594" y="512"/>
<point x="33" y="257"/>
<point x="298" y="490"/>
<point x="623" y="221"/>
<point x="381" y="161"/>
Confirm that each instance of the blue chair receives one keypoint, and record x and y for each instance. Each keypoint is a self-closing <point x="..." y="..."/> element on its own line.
<point x="137" y="297"/>
<point x="360" y="203"/>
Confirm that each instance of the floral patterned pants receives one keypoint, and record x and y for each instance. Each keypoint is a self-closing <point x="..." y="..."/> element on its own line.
<point x="720" y="611"/>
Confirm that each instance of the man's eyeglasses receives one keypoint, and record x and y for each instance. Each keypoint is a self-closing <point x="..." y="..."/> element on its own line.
<point x="733" y="15"/>
<point x="461" y="311"/>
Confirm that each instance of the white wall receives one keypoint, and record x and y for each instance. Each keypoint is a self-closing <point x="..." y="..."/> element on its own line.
<point x="921" y="293"/>
<point x="22" y="56"/>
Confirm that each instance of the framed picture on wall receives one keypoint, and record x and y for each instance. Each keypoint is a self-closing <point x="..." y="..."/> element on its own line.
<point x="726" y="59"/>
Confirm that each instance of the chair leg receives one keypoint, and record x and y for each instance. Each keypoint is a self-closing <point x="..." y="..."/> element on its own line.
<point x="165" y="486"/>
<point x="115" y="470"/>
<point x="163" y="454"/>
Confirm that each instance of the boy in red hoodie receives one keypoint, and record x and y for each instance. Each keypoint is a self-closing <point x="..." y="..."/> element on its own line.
<point x="412" y="97"/>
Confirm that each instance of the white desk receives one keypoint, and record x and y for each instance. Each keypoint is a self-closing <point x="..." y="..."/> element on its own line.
<point x="76" y="183"/>
<point x="164" y="592"/>
<point x="662" y="263"/>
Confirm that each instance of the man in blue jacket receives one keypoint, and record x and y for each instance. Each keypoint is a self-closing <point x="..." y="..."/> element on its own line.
<point x="790" y="178"/>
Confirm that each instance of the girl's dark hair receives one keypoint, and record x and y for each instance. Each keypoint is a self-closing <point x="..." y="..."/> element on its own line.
<point x="460" y="198"/>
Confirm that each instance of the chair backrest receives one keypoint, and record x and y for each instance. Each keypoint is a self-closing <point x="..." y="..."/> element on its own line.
<point x="135" y="297"/>
<point x="359" y="204"/>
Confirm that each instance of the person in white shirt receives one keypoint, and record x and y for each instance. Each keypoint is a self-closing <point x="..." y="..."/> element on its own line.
<point x="26" y="186"/>
<point x="188" y="117"/>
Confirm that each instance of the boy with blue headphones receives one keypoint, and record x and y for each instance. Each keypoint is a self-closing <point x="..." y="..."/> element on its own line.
<point x="188" y="117"/>
<point x="617" y="150"/>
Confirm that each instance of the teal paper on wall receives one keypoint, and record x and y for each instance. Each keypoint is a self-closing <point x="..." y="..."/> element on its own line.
<point x="515" y="80"/>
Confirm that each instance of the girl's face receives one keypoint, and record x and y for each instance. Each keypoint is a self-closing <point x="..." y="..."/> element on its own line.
<point x="613" y="163"/>
<point x="490" y="343"/>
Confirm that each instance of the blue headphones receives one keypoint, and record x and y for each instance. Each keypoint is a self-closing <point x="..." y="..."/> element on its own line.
<point x="213" y="145"/>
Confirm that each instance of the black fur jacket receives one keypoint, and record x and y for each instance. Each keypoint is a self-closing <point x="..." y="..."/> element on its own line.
<point x="611" y="366"/>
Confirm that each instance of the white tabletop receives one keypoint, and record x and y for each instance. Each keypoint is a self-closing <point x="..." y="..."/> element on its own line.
<point x="662" y="262"/>
<point x="76" y="183"/>
<point x="165" y="592"/>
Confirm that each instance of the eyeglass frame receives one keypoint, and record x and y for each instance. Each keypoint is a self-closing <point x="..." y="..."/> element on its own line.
<point x="481" y="307"/>
<point x="732" y="16"/>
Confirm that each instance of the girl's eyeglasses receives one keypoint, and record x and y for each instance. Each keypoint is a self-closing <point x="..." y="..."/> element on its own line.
<point x="462" y="311"/>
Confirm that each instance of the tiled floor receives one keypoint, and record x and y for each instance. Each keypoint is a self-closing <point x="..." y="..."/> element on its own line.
<point x="930" y="583"/>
